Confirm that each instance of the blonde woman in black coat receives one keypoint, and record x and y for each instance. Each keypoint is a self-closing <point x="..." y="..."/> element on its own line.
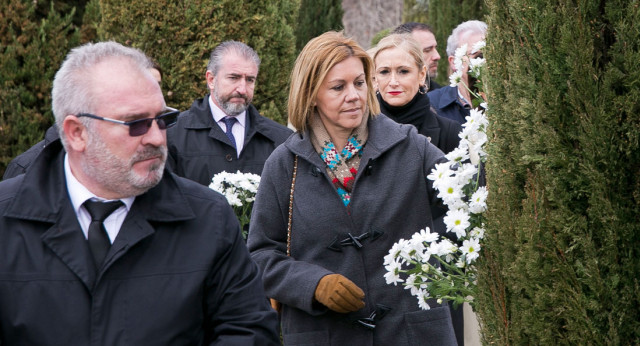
<point x="399" y="80"/>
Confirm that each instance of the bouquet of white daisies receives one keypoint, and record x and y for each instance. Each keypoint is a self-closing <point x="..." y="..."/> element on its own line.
<point x="435" y="267"/>
<point x="240" y="190"/>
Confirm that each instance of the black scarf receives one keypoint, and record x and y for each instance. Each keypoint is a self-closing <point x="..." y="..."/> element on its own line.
<point x="412" y="113"/>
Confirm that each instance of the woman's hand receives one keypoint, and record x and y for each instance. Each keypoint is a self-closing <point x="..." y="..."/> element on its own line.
<point x="339" y="294"/>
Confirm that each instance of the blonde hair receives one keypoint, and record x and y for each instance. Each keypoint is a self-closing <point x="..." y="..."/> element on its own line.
<point x="406" y="42"/>
<point x="311" y="67"/>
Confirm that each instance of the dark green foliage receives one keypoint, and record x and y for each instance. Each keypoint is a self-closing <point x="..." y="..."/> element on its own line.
<point x="562" y="251"/>
<point x="444" y="16"/>
<point x="379" y="36"/>
<point x="36" y="35"/>
<point x="416" y="11"/>
<point x="181" y="35"/>
<point x="33" y="37"/>
<point x="317" y="17"/>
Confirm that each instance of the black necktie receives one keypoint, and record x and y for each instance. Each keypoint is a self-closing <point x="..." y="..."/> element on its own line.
<point x="98" y="238"/>
<point x="229" y="121"/>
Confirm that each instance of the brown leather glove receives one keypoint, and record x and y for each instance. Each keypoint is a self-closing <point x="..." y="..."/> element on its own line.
<point x="339" y="294"/>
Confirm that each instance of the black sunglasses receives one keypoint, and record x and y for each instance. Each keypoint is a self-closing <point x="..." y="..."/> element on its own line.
<point x="141" y="126"/>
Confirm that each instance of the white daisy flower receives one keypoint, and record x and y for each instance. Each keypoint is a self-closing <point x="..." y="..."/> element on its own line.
<point x="457" y="221"/>
<point x="470" y="248"/>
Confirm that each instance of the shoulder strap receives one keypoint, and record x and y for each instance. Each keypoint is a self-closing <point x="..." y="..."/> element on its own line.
<point x="293" y="185"/>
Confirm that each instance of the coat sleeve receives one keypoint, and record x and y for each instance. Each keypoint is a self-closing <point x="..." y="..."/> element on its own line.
<point x="237" y="310"/>
<point x="292" y="282"/>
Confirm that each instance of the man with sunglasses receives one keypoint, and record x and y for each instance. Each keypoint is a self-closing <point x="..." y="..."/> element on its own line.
<point x="21" y="163"/>
<point x="99" y="244"/>
<point x="223" y="131"/>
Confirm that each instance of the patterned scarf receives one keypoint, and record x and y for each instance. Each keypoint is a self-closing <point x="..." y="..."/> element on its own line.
<point x="342" y="166"/>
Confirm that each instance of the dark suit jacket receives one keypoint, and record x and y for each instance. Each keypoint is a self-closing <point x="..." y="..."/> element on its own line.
<point x="445" y="101"/>
<point x="178" y="272"/>
<point x="198" y="148"/>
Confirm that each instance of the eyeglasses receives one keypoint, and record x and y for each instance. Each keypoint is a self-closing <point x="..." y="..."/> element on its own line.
<point x="141" y="126"/>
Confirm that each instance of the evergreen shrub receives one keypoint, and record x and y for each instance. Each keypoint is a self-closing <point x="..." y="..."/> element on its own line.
<point x="562" y="252"/>
<point x="317" y="17"/>
<point x="181" y="35"/>
<point x="34" y="37"/>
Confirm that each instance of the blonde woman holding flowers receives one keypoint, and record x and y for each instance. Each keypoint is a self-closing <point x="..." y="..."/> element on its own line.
<point x="333" y="199"/>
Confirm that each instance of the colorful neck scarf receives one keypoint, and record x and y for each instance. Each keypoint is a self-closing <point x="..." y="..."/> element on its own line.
<point x="342" y="166"/>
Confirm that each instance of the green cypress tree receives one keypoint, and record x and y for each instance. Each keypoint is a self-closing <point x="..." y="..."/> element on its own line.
<point x="562" y="249"/>
<point x="416" y="11"/>
<point x="33" y="36"/>
<point x="181" y="35"/>
<point x="317" y="17"/>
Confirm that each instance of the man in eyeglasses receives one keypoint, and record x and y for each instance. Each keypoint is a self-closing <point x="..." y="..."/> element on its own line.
<point x="223" y="131"/>
<point x="455" y="102"/>
<point x="100" y="245"/>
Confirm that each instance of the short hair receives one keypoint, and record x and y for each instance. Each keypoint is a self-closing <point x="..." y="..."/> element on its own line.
<point x="156" y="66"/>
<point x="403" y="41"/>
<point x="464" y="28"/>
<point x="215" y="59"/>
<point x="311" y="67"/>
<point x="410" y="27"/>
<point x="72" y="93"/>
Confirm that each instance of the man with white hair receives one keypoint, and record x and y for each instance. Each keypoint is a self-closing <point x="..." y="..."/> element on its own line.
<point x="100" y="245"/>
<point x="454" y="102"/>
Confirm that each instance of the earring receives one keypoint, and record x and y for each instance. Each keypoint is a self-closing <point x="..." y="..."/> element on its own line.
<point x="422" y="89"/>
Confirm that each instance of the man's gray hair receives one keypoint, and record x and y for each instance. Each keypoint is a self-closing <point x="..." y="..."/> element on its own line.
<point x="71" y="92"/>
<point x="471" y="26"/>
<point x="215" y="60"/>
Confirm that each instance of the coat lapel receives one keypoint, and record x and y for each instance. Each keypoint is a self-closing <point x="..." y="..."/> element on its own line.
<point x="134" y="230"/>
<point x="162" y="203"/>
<point x="65" y="239"/>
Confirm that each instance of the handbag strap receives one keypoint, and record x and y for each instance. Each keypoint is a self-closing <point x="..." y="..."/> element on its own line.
<point x="293" y="185"/>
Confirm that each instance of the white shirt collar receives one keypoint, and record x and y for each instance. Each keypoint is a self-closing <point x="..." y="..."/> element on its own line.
<point x="78" y="194"/>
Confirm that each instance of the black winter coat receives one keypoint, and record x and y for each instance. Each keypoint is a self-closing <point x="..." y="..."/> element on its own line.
<point x="442" y="132"/>
<point x="178" y="273"/>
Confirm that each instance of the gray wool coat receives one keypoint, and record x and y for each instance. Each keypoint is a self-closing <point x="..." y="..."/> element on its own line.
<point x="391" y="199"/>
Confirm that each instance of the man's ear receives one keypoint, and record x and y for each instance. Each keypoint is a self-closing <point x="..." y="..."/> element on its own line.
<point x="210" y="77"/>
<point x="75" y="133"/>
<point x="452" y="65"/>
